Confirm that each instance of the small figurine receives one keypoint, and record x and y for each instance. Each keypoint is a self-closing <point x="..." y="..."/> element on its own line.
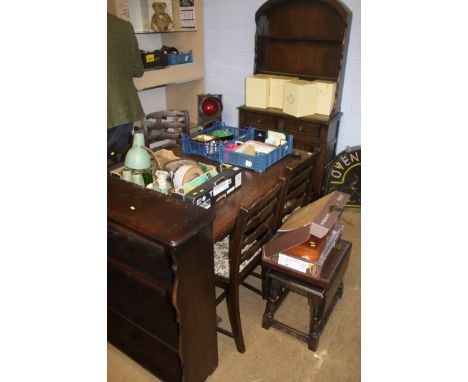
<point x="161" y="20"/>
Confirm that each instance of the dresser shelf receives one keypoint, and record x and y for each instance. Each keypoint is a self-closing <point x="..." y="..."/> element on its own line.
<point x="303" y="38"/>
<point x="306" y="39"/>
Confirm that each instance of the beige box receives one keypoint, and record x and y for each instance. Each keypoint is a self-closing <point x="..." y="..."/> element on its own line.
<point x="277" y="89"/>
<point x="325" y="96"/>
<point x="257" y="91"/>
<point x="300" y="98"/>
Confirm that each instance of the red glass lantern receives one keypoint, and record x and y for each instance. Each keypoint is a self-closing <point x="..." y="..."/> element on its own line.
<point x="210" y="108"/>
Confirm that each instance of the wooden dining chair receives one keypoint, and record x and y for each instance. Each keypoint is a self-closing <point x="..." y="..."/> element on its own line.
<point x="298" y="188"/>
<point x="237" y="256"/>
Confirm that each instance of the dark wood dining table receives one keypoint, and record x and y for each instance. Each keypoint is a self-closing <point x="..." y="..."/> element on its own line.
<point x="254" y="185"/>
<point x="160" y="279"/>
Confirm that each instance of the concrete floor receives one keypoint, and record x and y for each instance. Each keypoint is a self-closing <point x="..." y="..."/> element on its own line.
<point x="272" y="355"/>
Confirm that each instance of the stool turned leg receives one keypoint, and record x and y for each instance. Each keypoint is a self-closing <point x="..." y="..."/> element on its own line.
<point x="264" y="283"/>
<point x="273" y="291"/>
<point x="314" y="325"/>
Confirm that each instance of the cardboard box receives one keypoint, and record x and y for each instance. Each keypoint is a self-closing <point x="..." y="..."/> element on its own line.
<point x="257" y="91"/>
<point x="277" y="90"/>
<point x="325" y="96"/>
<point x="316" y="219"/>
<point x="300" y="98"/>
<point x="305" y="265"/>
<point x="213" y="190"/>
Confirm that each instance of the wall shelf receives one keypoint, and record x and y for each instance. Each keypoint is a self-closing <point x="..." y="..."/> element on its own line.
<point x="181" y="82"/>
<point x="174" y="31"/>
<point x="173" y="74"/>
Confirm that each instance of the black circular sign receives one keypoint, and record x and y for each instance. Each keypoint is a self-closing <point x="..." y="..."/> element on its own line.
<point x="344" y="174"/>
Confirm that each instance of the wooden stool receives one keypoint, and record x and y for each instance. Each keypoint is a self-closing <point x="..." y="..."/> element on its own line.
<point x="322" y="293"/>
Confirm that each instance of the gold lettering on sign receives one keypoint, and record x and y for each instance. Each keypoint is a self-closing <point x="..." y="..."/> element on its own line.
<point x="354" y="157"/>
<point x="336" y="174"/>
<point x="339" y="166"/>
<point x="345" y="160"/>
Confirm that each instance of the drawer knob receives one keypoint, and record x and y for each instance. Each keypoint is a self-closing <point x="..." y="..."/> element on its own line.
<point x="259" y="121"/>
<point x="300" y="128"/>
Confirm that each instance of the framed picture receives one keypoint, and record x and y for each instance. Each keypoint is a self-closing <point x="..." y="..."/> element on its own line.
<point x="187" y="13"/>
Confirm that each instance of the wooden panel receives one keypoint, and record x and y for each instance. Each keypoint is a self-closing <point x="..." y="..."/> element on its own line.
<point x="142" y="256"/>
<point x="308" y="60"/>
<point x="144" y="348"/>
<point x="194" y="297"/>
<point x="301" y="18"/>
<point x="142" y="304"/>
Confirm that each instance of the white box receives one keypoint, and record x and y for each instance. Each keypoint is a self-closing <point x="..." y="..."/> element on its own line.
<point x="277" y="89"/>
<point x="325" y="96"/>
<point x="257" y="91"/>
<point x="300" y="98"/>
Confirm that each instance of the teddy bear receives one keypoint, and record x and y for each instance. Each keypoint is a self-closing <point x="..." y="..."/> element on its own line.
<point x="161" y="21"/>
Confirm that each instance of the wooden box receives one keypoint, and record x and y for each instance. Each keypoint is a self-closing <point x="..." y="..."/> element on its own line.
<point x="300" y="98"/>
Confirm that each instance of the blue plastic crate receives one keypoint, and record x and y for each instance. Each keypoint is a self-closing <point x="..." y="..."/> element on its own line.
<point x="180" y="58"/>
<point x="210" y="150"/>
<point x="259" y="162"/>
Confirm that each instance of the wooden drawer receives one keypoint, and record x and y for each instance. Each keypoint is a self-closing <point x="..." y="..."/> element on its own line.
<point x="147" y="350"/>
<point x="262" y="121"/>
<point x="140" y="254"/>
<point x="143" y="304"/>
<point x="307" y="132"/>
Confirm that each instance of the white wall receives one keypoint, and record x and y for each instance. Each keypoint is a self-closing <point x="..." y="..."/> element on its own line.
<point x="229" y="31"/>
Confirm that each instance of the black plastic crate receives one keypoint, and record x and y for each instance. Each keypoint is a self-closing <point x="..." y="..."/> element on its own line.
<point x="156" y="59"/>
